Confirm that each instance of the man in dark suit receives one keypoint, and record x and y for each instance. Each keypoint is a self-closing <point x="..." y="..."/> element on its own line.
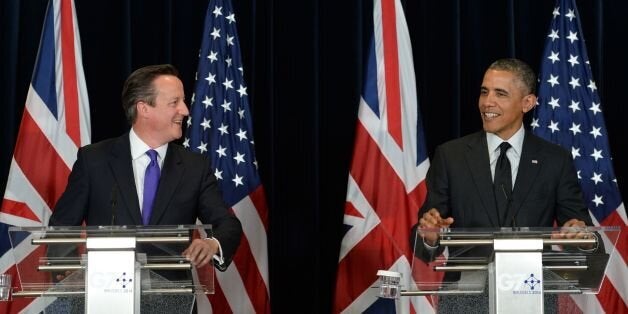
<point x="469" y="187"/>
<point x="141" y="178"/>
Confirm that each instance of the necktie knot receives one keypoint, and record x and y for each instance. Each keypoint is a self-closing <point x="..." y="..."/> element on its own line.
<point x="503" y="147"/>
<point x="152" y="154"/>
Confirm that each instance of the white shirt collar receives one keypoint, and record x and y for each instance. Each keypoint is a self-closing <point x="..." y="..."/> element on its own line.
<point x="516" y="141"/>
<point x="139" y="148"/>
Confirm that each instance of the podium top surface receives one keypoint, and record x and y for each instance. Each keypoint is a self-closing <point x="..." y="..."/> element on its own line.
<point x="149" y="229"/>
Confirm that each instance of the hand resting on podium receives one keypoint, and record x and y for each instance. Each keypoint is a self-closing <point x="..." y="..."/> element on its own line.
<point x="575" y="229"/>
<point x="432" y="219"/>
<point x="201" y="251"/>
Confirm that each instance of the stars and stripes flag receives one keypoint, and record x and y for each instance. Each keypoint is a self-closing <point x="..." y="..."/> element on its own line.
<point x="220" y="125"/>
<point x="55" y="123"/>
<point x="569" y="113"/>
<point x="386" y="185"/>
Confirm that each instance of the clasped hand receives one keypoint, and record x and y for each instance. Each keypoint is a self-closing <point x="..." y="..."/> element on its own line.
<point x="575" y="229"/>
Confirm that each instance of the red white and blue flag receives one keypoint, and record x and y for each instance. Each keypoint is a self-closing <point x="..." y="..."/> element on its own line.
<point x="55" y="123"/>
<point x="220" y="125"/>
<point x="386" y="184"/>
<point x="569" y="113"/>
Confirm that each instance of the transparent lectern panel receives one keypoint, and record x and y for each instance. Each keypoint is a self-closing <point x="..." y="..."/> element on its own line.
<point x="55" y="260"/>
<point x="574" y="259"/>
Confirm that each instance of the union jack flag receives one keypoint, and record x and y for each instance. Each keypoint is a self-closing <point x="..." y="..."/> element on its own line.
<point x="55" y="123"/>
<point x="220" y="125"/>
<point x="386" y="184"/>
<point x="569" y="113"/>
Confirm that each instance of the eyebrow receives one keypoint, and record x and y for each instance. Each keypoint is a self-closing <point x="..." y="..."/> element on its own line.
<point x="484" y="88"/>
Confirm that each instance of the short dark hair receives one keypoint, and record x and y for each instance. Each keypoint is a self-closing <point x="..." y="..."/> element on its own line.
<point x="139" y="87"/>
<point x="521" y="69"/>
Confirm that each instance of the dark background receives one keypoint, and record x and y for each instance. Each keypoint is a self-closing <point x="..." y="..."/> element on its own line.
<point x="303" y="66"/>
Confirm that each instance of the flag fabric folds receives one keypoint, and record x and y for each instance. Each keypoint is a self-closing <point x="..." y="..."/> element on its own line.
<point x="569" y="113"/>
<point x="55" y="123"/>
<point x="386" y="181"/>
<point x="220" y="125"/>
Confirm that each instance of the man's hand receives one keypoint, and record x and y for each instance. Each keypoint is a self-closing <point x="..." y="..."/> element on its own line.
<point x="201" y="251"/>
<point x="432" y="219"/>
<point x="565" y="233"/>
<point x="60" y="276"/>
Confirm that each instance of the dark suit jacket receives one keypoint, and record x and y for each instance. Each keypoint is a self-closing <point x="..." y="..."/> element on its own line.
<point x="187" y="190"/>
<point x="459" y="185"/>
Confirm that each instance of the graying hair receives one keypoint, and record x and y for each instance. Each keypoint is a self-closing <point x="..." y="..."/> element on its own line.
<point x="520" y="69"/>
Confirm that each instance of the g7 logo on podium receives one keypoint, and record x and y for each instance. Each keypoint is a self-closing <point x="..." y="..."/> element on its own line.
<point x="532" y="282"/>
<point x="519" y="284"/>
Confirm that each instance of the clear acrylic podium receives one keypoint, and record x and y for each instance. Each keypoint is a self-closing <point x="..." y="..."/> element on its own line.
<point x="510" y="270"/>
<point x="112" y="269"/>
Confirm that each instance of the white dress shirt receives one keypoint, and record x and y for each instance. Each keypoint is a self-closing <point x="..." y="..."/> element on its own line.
<point x="514" y="153"/>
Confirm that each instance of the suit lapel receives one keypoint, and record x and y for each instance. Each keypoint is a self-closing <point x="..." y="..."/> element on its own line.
<point x="122" y="168"/>
<point x="171" y="174"/>
<point x="529" y="166"/>
<point x="479" y="166"/>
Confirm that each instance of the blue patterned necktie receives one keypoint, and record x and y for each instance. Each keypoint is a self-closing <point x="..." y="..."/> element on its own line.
<point x="151" y="182"/>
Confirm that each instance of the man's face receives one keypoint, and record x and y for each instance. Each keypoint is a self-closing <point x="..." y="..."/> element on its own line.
<point x="165" y="117"/>
<point x="503" y="102"/>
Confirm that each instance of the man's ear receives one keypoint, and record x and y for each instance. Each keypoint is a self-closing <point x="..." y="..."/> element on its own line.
<point x="141" y="107"/>
<point x="529" y="102"/>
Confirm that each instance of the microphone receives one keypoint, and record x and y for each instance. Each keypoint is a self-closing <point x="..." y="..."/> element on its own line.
<point x="113" y="202"/>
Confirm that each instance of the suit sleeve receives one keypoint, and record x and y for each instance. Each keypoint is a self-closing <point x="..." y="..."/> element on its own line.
<point x="569" y="202"/>
<point x="437" y="182"/>
<point x="71" y="208"/>
<point x="226" y="227"/>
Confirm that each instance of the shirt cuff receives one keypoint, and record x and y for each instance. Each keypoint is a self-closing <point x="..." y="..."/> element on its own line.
<point x="430" y="248"/>
<point x="218" y="257"/>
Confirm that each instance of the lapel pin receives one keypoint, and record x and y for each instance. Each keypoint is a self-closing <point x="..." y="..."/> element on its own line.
<point x="534" y="161"/>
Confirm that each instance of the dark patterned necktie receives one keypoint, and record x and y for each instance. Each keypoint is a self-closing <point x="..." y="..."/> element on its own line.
<point x="502" y="183"/>
<point x="151" y="181"/>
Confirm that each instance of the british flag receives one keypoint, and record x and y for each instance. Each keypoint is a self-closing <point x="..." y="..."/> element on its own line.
<point x="387" y="177"/>
<point x="55" y="123"/>
<point x="569" y="113"/>
<point x="220" y="125"/>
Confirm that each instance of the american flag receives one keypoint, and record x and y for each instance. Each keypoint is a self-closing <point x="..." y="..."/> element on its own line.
<point x="569" y="113"/>
<point x="220" y="125"/>
<point x="55" y="123"/>
<point x="386" y="184"/>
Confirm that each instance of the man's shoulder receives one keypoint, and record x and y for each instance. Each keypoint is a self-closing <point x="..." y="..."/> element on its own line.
<point x="544" y="146"/>
<point x="463" y="142"/>
<point x="186" y="154"/>
<point x="104" y="146"/>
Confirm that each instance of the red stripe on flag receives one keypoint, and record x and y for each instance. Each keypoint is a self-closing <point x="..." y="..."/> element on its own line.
<point x="40" y="162"/>
<point x="352" y="211"/>
<point x="68" y="58"/>
<point x="566" y="305"/>
<point x="17" y="304"/>
<point x="251" y="277"/>
<point x="19" y="209"/>
<point x="28" y="276"/>
<point x="610" y="300"/>
<point x="391" y="68"/>
<point x="622" y="243"/>
<point x="358" y="270"/>
<point x="258" y="197"/>
<point x="397" y="210"/>
<point x="219" y="302"/>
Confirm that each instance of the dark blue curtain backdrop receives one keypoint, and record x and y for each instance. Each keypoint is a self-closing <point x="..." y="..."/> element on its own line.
<point x="303" y="66"/>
